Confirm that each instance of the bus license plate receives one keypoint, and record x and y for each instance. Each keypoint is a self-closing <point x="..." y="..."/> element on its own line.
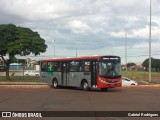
<point x="112" y="85"/>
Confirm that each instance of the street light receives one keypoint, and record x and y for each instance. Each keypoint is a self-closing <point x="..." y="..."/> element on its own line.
<point x="76" y="52"/>
<point x="150" y="77"/>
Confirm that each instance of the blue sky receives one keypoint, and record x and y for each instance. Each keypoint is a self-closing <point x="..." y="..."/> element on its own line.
<point x="94" y="27"/>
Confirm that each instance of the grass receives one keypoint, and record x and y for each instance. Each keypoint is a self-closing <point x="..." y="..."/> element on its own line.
<point x="135" y="75"/>
<point x="141" y="75"/>
<point x="20" y="79"/>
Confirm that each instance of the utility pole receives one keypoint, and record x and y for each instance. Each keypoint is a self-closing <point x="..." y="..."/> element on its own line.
<point x="17" y="65"/>
<point x="150" y="64"/>
<point x="54" y="48"/>
<point x="126" y="49"/>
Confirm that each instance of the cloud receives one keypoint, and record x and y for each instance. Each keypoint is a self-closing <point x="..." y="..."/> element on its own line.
<point x="37" y="10"/>
<point x="91" y="26"/>
<point x="77" y="26"/>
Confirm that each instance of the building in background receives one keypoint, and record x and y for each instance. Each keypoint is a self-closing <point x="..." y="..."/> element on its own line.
<point x="16" y="66"/>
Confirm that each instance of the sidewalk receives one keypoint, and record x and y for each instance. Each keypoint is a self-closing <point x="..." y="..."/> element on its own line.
<point x="44" y="85"/>
<point x="24" y="86"/>
<point x="23" y="83"/>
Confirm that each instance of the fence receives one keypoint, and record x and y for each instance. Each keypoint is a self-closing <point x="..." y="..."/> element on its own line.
<point x="26" y="75"/>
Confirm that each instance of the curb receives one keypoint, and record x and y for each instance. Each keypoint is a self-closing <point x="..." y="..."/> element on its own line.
<point x="22" y="83"/>
<point x="47" y="86"/>
<point x="24" y="86"/>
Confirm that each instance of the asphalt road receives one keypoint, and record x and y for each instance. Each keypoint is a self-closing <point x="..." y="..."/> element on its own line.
<point x="70" y="99"/>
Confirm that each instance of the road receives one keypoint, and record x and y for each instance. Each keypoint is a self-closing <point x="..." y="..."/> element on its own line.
<point x="69" y="99"/>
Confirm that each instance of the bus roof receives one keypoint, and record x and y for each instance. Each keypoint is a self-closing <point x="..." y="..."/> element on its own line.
<point x="77" y="58"/>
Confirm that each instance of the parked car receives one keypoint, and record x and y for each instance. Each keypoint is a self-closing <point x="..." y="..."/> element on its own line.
<point x="126" y="81"/>
<point x="31" y="73"/>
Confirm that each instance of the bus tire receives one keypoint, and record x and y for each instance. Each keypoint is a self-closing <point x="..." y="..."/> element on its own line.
<point x="55" y="83"/>
<point x="104" y="89"/>
<point x="85" y="85"/>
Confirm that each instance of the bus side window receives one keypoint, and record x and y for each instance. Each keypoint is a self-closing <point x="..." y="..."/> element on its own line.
<point x="72" y="66"/>
<point x="80" y="67"/>
<point x="75" y="66"/>
<point x="57" y="66"/>
<point x="50" y="69"/>
<point x="87" y="66"/>
<point x="51" y="66"/>
<point x="44" y="66"/>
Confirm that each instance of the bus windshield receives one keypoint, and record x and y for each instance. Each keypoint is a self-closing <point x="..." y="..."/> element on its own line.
<point x="110" y="67"/>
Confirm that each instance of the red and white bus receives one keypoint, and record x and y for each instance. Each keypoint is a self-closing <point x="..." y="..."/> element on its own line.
<point x="86" y="72"/>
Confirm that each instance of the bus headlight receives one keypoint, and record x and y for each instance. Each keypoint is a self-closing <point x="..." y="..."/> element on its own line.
<point x="102" y="81"/>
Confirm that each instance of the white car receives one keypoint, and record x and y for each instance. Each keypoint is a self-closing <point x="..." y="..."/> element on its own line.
<point x="127" y="82"/>
<point x="31" y="73"/>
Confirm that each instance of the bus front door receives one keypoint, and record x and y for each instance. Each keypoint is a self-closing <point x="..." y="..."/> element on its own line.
<point x="65" y="73"/>
<point x="94" y="73"/>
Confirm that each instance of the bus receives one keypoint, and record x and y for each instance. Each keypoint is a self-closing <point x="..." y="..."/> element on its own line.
<point x="87" y="72"/>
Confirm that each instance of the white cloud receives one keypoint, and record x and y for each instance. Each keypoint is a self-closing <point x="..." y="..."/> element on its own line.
<point x="77" y="26"/>
<point x="141" y="46"/>
<point x="118" y="34"/>
<point x="37" y="9"/>
<point x="99" y="25"/>
<point x="138" y="33"/>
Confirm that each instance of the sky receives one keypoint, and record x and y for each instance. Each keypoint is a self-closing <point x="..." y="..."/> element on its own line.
<point x="88" y="27"/>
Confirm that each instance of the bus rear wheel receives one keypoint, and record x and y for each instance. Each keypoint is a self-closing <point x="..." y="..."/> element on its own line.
<point x="85" y="85"/>
<point x="55" y="83"/>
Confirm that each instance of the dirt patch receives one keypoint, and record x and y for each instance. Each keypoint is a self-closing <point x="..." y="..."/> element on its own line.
<point x="143" y="86"/>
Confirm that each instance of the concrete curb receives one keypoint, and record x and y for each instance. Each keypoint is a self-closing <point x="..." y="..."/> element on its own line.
<point x="47" y="86"/>
<point x="23" y="83"/>
<point x="24" y="86"/>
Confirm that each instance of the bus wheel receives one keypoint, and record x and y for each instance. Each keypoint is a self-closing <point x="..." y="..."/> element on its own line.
<point x="104" y="89"/>
<point x="55" y="83"/>
<point x="85" y="85"/>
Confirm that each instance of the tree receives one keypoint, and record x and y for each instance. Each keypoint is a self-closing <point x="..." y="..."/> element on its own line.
<point x="155" y="63"/>
<point x="145" y="63"/>
<point x="19" y="41"/>
<point x="130" y="64"/>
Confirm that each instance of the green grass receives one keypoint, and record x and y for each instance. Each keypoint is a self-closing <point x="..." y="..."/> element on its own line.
<point x="141" y="75"/>
<point x="135" y="75"/>
<point x="20" y="79"/>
